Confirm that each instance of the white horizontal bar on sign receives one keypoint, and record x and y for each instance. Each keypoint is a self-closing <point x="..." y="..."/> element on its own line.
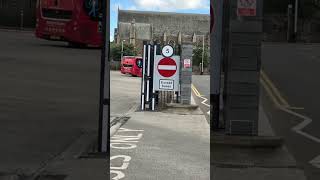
<point x="167" y="67"/>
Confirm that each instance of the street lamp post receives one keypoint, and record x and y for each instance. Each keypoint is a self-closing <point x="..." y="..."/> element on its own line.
<point x="202" y="55"/>
<point x="122" y="48"/>
<point x="296" y="19"/>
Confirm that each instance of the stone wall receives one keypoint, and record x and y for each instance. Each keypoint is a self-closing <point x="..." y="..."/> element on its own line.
<point x="174" y="28"/>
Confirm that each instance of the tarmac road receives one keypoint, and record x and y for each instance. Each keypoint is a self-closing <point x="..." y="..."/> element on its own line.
<point x="294" y="70"/>
<point x="201" y="90"/>
<point x="48" y="98"/>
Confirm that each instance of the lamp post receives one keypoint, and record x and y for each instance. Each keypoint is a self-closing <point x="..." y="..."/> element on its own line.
<point x="202" y="55"/>
<point x="122" y="49"/>
<point x="296" y="19"/>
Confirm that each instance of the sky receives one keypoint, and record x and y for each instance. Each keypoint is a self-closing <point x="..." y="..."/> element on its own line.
<point x="180" y="6"/>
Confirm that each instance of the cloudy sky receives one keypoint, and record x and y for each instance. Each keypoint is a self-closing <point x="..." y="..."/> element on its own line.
<point x="183" y="6"/>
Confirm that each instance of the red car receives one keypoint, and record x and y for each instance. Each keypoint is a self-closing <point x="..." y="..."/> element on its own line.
<point x="131" y="65"/>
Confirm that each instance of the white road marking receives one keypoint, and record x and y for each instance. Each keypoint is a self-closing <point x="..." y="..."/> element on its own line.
<point x="204" y="101"/>
<point x="123" y="142"/>
<point x="119" y="175"/>
<point x="298" y="128"/>
<point x="125" y="162"/>
<point x="316" y="162"/>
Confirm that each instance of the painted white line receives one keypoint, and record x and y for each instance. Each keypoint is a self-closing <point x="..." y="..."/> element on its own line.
<point x="316" y="162"/>
<point x="204" y="101"/>
<point x="298" y="128"/>
<point x="114" y="128"/>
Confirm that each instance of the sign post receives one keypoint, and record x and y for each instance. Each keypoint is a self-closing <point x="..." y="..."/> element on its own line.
<point x="216" y="58"/>
<point x="104" y="102"/>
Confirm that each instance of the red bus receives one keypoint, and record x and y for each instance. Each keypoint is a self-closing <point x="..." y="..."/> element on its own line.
<point x="131" y="65"/>
<point x="75" y="21"/>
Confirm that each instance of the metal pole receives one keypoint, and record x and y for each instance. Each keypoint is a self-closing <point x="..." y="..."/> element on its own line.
<point x="104" y="103"/>
<point x="121" y="50"/>
<point x="202" y="55"/>
<point x="289" y="32"/>
<point x="296" y="19"/>
<point x="21" y="19"/>
<point x="143" y="78"/>
<point x="153" y="91"/>
<point x="148" y="74"/>
<point x="216" y="57"/>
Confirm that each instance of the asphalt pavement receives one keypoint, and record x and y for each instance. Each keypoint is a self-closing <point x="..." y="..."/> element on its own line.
<point x="293" y="69"/>
<point x="49" y="96"/>
<point x="162" y="145"/>
<point x="201" y="90"/>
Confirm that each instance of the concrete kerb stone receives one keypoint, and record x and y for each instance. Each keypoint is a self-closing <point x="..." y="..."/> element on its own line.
<point x="247" y="141"/>
<point x="15" y="29"/>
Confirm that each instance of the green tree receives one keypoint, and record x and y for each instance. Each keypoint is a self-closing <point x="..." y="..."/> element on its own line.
<point x="115" y="51"/>
<point x="197" y="56"/>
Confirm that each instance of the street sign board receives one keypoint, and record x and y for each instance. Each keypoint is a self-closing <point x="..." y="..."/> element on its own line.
<point x="167" y="67"/>
<point x="166" y="73"/>
<point x="187" y="63"/>
<point x="247" y="8"/>
<point x="167" y="51"/>
<point x="165" y="84"/>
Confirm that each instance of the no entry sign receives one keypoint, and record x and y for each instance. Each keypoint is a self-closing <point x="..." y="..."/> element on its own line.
<point x="247" y="7"/>
<point x="166" y="73"/>
<point x="167" y="67"/>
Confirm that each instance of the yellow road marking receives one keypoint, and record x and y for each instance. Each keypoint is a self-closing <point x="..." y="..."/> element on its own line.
<point x="274" y="93"/>
<point x="274" y="89"/>
<point x="269" y="91"/>
<point x="195" y="90"/>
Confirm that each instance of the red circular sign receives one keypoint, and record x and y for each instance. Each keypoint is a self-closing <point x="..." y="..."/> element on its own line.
<point x="167" y="67"/>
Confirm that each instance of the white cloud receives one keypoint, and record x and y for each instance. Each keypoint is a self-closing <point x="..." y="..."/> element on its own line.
<point x="171" y="5"/>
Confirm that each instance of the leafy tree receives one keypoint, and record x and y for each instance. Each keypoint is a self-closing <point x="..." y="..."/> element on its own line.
<point x="115" y="51"/>
<point x="197" y="56"/>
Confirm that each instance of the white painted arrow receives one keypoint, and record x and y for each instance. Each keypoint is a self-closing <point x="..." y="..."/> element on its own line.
<point x="316" y="162"/>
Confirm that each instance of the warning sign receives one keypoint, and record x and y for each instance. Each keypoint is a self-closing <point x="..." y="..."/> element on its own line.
<point x="187" y="63"/>
<point x="247" y="8"/>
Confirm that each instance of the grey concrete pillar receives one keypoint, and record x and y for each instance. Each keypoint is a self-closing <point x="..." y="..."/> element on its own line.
<point x="243" y="71"/>
<point x="186" y="74"/>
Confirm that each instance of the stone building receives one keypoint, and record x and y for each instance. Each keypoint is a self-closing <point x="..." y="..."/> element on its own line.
<point x="174" y="28"/>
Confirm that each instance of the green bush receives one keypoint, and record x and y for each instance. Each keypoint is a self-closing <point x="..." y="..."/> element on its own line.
<point x="197" y="56"/>
<point x="115" y="51"/>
